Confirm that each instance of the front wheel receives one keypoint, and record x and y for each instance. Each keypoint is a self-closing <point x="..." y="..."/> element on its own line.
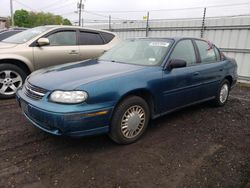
<point x="222" y="93"/>
<point x="130" y="120"/>
<point x="11" y="78"/>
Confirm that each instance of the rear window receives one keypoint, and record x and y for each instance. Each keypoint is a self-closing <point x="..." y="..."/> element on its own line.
<point x="89" y="38"/>
<point x="107" y="37"/>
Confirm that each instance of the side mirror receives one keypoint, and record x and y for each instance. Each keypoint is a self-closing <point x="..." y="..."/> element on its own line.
<point x="176" y="63"/>
<point x="43" y="41"/>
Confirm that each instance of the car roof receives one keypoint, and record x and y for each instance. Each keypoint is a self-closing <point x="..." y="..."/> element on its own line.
<point x="76" y="27"/>
<point x="169" y="38"/>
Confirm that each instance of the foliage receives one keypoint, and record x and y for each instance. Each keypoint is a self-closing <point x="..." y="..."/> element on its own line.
<point x="23" y="18"/>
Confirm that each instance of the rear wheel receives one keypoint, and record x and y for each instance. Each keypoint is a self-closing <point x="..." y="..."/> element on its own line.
<point x="130" y="120"/>
<point x="11" y="78"/>
<point x="222" y="93"/>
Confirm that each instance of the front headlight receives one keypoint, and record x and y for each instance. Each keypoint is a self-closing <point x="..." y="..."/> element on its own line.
<point x="69" y="97"/>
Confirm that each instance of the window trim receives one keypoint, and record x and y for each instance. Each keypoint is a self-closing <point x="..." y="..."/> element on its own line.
<point x="34" y="44"/>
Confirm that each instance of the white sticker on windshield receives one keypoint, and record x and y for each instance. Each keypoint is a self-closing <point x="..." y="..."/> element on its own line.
<point x="151" y="59"/>
<point x="159" y="44"/>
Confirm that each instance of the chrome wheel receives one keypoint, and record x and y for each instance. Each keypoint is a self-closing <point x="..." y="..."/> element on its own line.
<point x="10" y="81"/>
<point x="224" y="93"/>
<point x="133" y="121"/>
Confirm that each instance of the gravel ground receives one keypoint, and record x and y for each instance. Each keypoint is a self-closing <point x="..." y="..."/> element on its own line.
<point x="200" y="146"/>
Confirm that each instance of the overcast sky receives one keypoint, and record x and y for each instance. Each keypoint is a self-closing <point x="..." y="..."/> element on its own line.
<point x="100" y="9"/>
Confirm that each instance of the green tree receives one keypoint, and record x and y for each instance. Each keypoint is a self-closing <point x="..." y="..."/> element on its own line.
<point x="66" y="22"/>
<point x="21" y="18"/>
<point x="24" y="18"/>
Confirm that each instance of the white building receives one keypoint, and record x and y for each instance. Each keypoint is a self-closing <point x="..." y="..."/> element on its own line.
<point x="3" y="21"/>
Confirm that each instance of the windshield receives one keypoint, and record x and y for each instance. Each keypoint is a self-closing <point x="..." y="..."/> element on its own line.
<point x="27" y="35"/>
<point x="139" y="51"/>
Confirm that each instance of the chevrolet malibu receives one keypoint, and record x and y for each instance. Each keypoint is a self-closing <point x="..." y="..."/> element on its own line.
<point x="118" y="93"/>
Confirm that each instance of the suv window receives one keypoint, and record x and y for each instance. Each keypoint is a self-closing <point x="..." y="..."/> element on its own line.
<point x="184" y="50"/>
<point x="107" y="37"/>
<point x="206" y="51"/>
<point x="62" y="38"/>
<point x="89" y="38"/>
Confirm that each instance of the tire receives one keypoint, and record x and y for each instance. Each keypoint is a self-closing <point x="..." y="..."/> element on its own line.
<point x="221" y="99"/>
<point x="136" y="125"/>
<point x="12" y="77"/>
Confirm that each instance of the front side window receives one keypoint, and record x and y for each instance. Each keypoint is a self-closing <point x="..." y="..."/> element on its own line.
<point x="184" y="50"/>
<point x="206" y="51"/>
<point x="139" y="52"/>
<point x="62" y="38"/>
<point x="88" y="38"/>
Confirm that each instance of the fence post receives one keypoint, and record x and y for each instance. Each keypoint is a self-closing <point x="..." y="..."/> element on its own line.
<point x="109" y="22"/>
<point x="203" y="22"/>
<point x="147" y="26"/>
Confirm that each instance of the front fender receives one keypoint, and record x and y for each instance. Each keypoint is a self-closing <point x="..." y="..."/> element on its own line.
<point x="16" y="57"/>
<point x="114" y="89"/>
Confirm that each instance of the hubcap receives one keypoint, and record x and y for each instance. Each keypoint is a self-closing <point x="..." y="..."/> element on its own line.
<point x="133" y="121"/>
<point x="224" y="93"/>
<point x="10" y="81"/>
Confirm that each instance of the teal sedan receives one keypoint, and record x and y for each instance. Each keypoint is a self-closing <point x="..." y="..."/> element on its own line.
<point x="118" y="93"/>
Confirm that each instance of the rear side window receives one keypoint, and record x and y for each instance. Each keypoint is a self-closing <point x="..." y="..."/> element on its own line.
<point x="217" y="53"/>
<point x="107" y="37"/>
<point x="184" y="50"/>
<point x="206" y="50"/>
<point x="89" y="38"/>
<point x="63" y="38"/>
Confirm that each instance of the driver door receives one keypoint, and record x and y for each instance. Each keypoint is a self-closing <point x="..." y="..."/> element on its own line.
<point x="63" y="48"/>
<point x="182" y="85"/>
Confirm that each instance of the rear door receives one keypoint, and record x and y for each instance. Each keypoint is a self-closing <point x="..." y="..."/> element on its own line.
<point x="63" y="48"/>
<point x="91" y="44"/>
<point x="212" y="68"/>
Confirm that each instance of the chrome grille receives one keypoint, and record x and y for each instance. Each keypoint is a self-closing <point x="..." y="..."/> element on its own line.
<point x="34" y="92"/>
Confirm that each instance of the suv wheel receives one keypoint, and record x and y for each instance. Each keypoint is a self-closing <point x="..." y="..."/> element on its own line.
<point x="11" y="78"/>
<point x="130" y="120"/>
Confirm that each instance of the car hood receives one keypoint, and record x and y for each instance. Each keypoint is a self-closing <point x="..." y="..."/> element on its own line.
<point x="72" y="75"/>
<point x="4" y="45"/>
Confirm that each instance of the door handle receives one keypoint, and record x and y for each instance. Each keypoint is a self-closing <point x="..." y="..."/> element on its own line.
<point x="221" y="70"/>
<point x="196" y="74"/>
<point x="73" y="52"/>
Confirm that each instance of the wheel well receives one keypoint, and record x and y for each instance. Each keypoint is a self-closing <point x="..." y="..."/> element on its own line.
<point x="146" y="95"/>
<point x="230" y="79"/>
<point x="17" y="63"/>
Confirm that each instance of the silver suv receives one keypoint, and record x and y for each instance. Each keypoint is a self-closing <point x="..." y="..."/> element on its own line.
<point x="47" y="46"/>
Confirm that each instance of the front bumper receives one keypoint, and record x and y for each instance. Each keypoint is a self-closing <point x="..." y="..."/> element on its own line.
<point x="75" y="124"/>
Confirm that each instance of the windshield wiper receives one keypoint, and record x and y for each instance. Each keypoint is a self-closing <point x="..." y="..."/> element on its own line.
<point x="113" y="61"/>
